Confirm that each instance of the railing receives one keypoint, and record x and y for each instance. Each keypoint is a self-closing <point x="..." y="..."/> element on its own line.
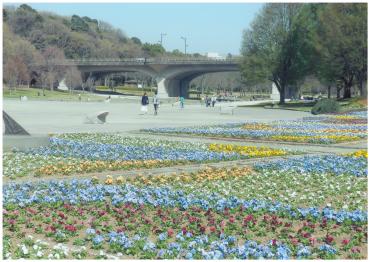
<point x="143" y="61"/>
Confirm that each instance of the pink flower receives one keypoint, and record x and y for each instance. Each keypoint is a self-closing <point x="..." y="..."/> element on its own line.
<point x="294" y="241"/>
<point x="312" y="240"/>
<point x="170" y="232"/>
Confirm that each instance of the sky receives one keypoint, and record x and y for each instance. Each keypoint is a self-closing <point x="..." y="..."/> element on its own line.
<point x="207" y="27"/>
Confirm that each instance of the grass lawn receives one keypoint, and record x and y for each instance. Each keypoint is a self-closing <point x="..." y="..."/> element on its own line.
<point x="36" y="94"/>
<point x="346" y="105"/>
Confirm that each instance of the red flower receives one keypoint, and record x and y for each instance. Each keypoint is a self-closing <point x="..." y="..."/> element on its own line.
<point x="287" y="224"/>
<point x="192" y="219"/>
<point x="306" y="235"/>
<point x="102" y="213"/>
<point x="232" y="219"/>
<point x="61" y="215"/>
<point x="248" y="218"/>
<point x="212" y="229"/>
<point x="345" y="241"/>
<point x="202" y="229"/>
<point x="329" y="239"/>
<point x="355" y="250"/>
<point x="184" y="231"/>
<point x="274" y="242"/>
<point x="70" y="228"/>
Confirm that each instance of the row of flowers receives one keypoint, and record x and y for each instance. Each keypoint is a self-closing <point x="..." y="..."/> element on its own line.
<point x="147" y="231"/>
<point x="296" y="186"/>
<point x="85" y="191"/>
<point x="78" y="153"/>
<point x="321" y="130"/>
<point x="328" y="164"/>
<point x="251" y="151"/>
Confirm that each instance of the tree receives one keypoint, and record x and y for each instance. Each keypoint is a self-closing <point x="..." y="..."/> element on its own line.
<point x="24" y="20"/>
<point x="342" y="41"/>
<point x="78" y="24"/>
<point x="136" y="40"/>
<point x="275" y="47"/>
<point x="53" y="68"/>
<point x="153" y="49"/>
<point x="15" y="72"/>
<point x="73" y="78"/>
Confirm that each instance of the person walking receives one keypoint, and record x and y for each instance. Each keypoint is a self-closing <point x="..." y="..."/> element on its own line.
<point x="155" y="102"/>
<point x="213" y="101"/>
<point x="144" y="103"/>
<point x="182" y="101"/>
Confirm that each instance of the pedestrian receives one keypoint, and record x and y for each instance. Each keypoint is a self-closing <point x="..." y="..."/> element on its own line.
<point x="213" y="101"/>
<point x="79" y="97"/>
<point x="182" y="101"/>
<point x="206" y="101"/>
<point x="155" y="102"/>
<point x="144" y="103"/>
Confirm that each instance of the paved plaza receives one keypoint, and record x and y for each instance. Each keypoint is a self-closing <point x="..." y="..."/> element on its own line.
<point x="43" y="117"/>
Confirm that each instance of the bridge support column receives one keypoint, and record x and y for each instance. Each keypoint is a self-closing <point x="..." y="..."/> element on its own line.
<point x="161" y="86"/>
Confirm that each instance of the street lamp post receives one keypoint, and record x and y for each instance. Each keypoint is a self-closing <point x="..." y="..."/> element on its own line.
<point x="184" y="38"/>
<point x="162" y="35"/>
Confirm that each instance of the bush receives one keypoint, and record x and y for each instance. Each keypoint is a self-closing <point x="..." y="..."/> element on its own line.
<point x="325" y="106"/>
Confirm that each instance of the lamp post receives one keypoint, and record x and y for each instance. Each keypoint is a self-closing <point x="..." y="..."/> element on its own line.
<point x="184" y="38"/>
<point x="162" y="35"/>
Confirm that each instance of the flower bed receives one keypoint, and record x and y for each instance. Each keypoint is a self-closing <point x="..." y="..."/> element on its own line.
<point x="83" y="153"/>
<point x="317" y="130"/>
<point x="125" y="221"/>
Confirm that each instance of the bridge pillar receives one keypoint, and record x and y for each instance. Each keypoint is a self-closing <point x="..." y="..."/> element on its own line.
<point x="161" y="86"/>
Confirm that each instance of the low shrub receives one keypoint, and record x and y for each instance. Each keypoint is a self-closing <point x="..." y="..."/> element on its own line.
<point x="325" y="106"/>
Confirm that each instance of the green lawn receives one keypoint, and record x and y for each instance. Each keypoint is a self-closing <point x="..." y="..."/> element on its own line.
<point x="346" y="105"/>
<point x="36" y="94"/>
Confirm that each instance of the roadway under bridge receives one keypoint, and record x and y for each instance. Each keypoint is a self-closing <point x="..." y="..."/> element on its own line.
<point x="173" y="76"/>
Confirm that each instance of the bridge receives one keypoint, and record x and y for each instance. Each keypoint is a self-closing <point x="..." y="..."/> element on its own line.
<point x="173" y="75"/>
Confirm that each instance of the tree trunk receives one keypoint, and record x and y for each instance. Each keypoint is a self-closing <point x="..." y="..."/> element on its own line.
<point x="338" y="91"/>
<point x="329" y="91"/>
<point x="281" y="89"/>
<point x="347" y="91"/>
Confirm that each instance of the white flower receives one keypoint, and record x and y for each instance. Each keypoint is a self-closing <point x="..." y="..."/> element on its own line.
<point x="24" y="249"/>
<point x="39" y="253"/>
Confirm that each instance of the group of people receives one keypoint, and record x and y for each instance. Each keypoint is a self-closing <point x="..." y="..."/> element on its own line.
<point x="156" y="102"/>
<point x="210" y="101"/>
<point x="145" y="103"/>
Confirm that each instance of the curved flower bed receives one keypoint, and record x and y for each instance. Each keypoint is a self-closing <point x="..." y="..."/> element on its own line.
<point x="318" y="130"/>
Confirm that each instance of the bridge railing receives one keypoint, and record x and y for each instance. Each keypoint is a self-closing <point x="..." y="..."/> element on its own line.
<point x="143" y="60"/>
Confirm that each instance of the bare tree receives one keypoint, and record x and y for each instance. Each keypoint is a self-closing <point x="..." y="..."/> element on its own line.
<point x="54" y="57"/>
<point x="15" y="72"/>
<point x="73" y="78"/>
